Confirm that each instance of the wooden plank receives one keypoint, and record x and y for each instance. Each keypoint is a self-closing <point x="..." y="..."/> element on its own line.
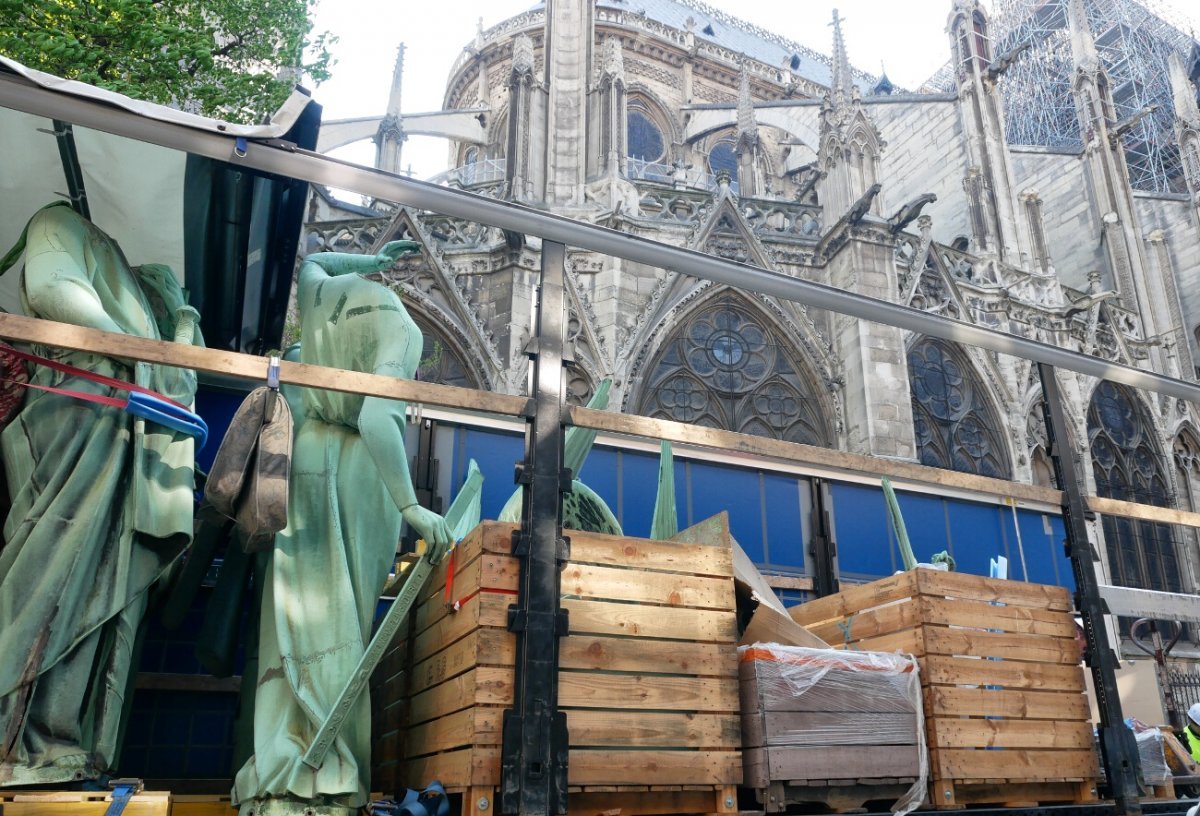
<point x="252" y="367"/>
<point x="884" y="620"/>
<point x="691" y="558"/>
<point x="974" y="643"/>
<point x="1028" y="705"/>
<point x="855" y="599"/>
<point x="1023" y="765"/>
<point x="908" y="641"/>
<point x="648" y="803"/>
<point x="979" y="615"/>
<point x="640" y="729"/>
<point x="481" y="686"/>
<point x="455" y="769"/>
<point x="643" y="691"/>
<point x="807" y="454"/>
<point x="485" y="609"/>
<point x="978" y="588"/>
<point x="980" y="733"/>
<point x="478" y="725"/>
<point x="488" y="572"/>
<point x="647" y="656"/>
<point x="147" y="803"/>
<point x="951" y="794"/>
<point x="642" y="586"/>
<point x="634" y="620"/>
<point x="968" y="671"/>
<point x="608" y="767"/>
<point x="488" y="646"/>
<point x="837" y="729"/>
<point x="830" y="762"/>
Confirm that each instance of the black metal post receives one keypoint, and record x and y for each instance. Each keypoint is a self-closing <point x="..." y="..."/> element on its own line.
<point x="534" y="751"/>
<point x="1118" y="748"/>
<point x="821" y="548"/>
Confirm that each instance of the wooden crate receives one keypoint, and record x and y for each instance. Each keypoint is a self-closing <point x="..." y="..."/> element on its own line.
<point x="388" y="689"/>
<point x="1005" y="713"/>
<point x="647" y="674"/>
<point x="80" y="803"/>
<point x="821" y="728"/>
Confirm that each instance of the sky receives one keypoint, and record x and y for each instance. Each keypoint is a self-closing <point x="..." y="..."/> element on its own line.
<point x="907" y="39"/>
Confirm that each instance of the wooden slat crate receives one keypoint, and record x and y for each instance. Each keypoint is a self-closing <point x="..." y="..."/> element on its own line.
<point x="817" y="727"/>
<point x="1005" y="712"/>
<point x="648" y="672"/>
<point x="388" y="688"/>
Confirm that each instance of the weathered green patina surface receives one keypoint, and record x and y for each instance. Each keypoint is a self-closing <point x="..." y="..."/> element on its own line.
<point x="101" y="506"/>
<point x="351" y="490"/>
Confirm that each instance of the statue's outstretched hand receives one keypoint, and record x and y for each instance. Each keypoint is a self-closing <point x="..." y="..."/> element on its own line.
<point x="432" y="528"/>
<point x="393" y="250"/>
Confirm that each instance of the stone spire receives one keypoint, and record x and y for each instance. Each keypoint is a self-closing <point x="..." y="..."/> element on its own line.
<point x="1186" y="109"/>
<point x="747" y="127"/>
<point x="841" y="86"/>
<point x="390" y="138"/>
<point x="1083" y="45"/>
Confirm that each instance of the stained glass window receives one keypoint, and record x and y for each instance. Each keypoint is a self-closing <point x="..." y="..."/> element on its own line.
<point x="955" y="426"/>
<point x="645" y="139"/>
<point x="1127" y="465"/>
<point x="723" y="368"/>
<point x="723" y="157"/>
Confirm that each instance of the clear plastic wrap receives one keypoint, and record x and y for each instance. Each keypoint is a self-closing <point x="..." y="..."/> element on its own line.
<point x="843" y="698"/>
<point x="1152" y="754"/>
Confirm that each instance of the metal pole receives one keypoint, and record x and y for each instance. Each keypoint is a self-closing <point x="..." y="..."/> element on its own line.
<point x="287" y="160"/>
<point x="534" y="751"/>
<point x="1118" y="748"/>
<point x="822" y="548"/>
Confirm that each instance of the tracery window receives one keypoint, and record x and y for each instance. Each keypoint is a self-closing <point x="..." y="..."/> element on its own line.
<point x="1127" y="465"/>
<point x="723" y="156"/>
<point x="724" y="368"/>
<point x="954" y="423"/>
<point x="644" y="138"/>
<point x="440" y="361"/>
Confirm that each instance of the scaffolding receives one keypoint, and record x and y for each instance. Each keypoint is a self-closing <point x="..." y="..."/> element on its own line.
<point x="1134" y="39"/>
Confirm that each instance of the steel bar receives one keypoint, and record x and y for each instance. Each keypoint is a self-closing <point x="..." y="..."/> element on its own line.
<point x="1147" y="603"/>
<point x="533" y="758"/>
<point x="1118" y="748"/>
<point x="313" y="167"/>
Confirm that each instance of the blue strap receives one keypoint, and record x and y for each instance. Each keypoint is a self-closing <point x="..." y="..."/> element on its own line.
<point x="164" y="413"/>
<point x="122" y="791"/>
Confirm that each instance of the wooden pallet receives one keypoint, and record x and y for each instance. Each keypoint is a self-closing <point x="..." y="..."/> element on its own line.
<point x="80" y="803"/>
<point x="836" y="795"/>
<point x="606" y="800"/>
<point x="1158" y="791"/>
<point x="202" y="805"/>
<point x="1005" y="713"/>
<point x="647" y="679"/>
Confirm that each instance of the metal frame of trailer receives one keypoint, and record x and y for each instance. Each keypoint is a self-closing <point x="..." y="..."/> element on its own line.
<point x="534" y="754"/>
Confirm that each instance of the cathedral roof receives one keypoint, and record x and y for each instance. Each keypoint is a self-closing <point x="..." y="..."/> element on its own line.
<point x="727" y="31"/>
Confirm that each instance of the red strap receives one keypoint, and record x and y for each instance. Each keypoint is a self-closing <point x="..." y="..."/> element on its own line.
<point x="461" y="602"/>
<point x="111" y="382"/>
<point x="80" y="395"/>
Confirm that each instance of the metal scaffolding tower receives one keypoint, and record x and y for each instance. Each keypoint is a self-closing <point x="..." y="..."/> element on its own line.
<point x="1134" y="39"/>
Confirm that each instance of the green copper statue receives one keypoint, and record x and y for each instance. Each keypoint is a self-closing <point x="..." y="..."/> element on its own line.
<point x="101" y="506"/>
<point x="350" y="492"/>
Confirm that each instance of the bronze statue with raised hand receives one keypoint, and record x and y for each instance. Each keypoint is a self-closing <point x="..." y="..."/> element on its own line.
<point x="350" y="492"/>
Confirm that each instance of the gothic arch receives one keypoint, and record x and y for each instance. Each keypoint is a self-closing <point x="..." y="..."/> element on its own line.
<point x="443" y="358"/>
<point x="639" y="98"/>
<point x="955" y="420"/>
<point x="1128" y="464"/>
<point x="724" y="363"/>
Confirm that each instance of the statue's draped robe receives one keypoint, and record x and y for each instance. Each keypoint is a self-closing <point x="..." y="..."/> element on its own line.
<point x="101" y="505"/>
<point x="329" y="566"/>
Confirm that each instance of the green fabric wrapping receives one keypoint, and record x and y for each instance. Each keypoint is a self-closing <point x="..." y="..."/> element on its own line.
<point x="101" y="506"/>
<point x="349" y="479"/>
